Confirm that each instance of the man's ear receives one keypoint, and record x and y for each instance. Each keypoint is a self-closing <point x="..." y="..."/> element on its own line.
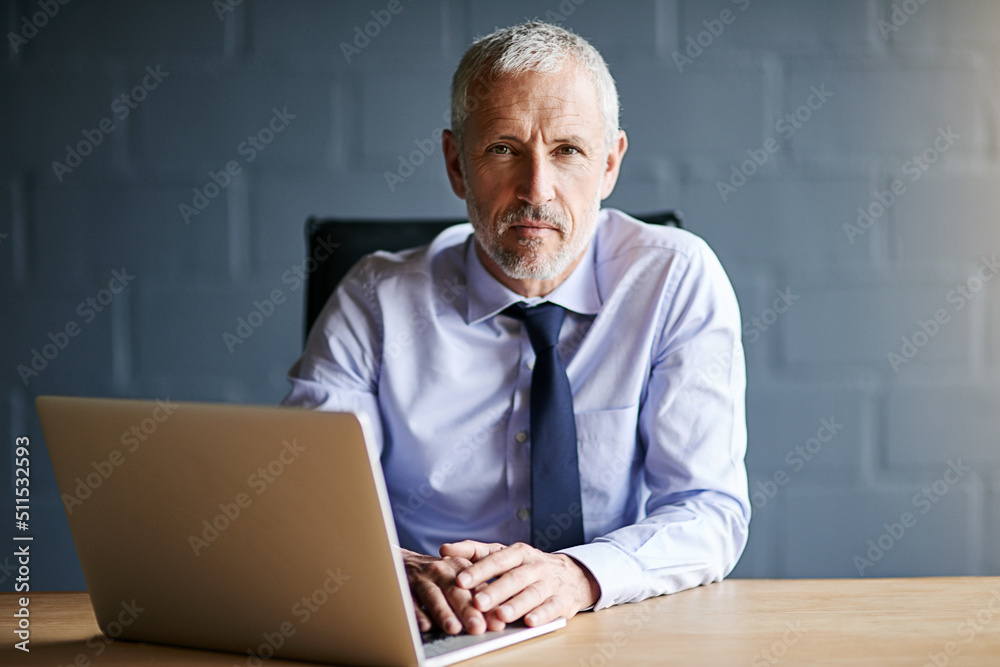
<point x="453" y="162"/>
<point x="613" y="164"/>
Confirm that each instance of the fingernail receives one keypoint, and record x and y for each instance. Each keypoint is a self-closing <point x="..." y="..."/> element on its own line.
<point x="465" y="579"/>
<point x="506" y="612"/>
<point x="452" y="626"/>
<point x="483" y="600"/>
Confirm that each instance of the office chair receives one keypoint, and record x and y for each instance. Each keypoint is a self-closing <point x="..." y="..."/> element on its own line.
<point x="343" y="242"/>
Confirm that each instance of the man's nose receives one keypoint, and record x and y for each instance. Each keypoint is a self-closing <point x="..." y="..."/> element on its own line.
<point x="537" y="184"/>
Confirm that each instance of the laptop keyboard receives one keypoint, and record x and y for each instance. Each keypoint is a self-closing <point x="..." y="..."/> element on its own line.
<point x="432" y="635"/>
<point x="437" y="642"/>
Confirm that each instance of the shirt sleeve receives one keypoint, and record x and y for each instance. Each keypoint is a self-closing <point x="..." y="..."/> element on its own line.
<point x="692" y="424"/>
<point x="339" y="368"/>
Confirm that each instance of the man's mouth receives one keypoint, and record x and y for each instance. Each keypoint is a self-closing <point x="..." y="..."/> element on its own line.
<point x="530" y="222"/>
<point x="533" y="229"/>
<point x="533" y="225"/>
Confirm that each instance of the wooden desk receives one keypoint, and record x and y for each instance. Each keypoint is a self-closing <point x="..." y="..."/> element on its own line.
<point x="737" y="622"/>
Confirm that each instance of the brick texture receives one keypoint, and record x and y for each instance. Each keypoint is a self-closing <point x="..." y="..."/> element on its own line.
<point x="936" y="543"/>
<point x="363" y="144"/>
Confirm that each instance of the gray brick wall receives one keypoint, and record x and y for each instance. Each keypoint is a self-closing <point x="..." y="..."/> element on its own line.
<point x="844" y="443"/>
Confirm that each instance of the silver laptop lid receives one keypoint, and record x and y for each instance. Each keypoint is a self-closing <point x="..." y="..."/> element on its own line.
<point x="230" y="527"/>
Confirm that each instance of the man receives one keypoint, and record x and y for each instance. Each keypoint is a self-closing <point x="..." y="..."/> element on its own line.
<point x="646" y="381"/>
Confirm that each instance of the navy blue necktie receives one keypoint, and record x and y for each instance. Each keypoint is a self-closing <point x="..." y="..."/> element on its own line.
<point x="556" y="512"/>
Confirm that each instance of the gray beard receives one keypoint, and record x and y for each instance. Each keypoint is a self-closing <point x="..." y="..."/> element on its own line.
<point x="530" y="263"/>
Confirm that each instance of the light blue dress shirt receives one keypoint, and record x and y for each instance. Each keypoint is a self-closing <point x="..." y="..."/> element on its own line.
<point x="651" y="343"/>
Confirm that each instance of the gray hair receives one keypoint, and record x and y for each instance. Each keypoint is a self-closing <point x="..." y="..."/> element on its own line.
<point x="533" y="46"/>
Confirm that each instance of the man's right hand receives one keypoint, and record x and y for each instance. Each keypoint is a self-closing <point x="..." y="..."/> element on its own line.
<point x="438" y="598"/>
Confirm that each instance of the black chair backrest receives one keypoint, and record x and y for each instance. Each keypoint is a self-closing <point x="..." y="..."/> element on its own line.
<point x="334" y="245"/>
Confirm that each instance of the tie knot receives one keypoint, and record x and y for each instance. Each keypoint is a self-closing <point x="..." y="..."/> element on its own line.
<point x="543" y="323"/>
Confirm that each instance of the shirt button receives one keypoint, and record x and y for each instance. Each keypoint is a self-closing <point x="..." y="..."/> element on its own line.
<point x="523" y="514"/>
<point x="521" y="436"/>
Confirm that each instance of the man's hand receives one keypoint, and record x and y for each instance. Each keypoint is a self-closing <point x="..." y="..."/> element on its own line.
<point x="439" y="600"/>
<point x="528" y="583"/>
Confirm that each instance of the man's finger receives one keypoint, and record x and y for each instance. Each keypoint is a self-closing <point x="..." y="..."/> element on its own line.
<point x="494" y="623"/>
<point x="470" y="617"/>
<point x="549" y="610"/>
<point x="508" y="585"/>
<point x="423" y="620"/>
<point x="494" y="565"/>
<point x="528" y="599"/>
<point x="469" y="549"/>
<point x="437" y="606"/>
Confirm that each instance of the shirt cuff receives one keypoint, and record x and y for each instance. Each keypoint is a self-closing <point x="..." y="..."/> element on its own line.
<point x="619" y="577"/>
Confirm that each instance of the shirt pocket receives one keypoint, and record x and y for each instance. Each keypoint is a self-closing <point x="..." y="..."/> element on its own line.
<point x="610" y="463"/>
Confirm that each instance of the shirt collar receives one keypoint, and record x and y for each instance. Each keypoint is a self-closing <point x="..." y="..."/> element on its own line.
<point x="488" y="296"/>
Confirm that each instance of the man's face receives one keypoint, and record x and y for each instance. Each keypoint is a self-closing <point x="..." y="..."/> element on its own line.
<point x="534" y="168"/>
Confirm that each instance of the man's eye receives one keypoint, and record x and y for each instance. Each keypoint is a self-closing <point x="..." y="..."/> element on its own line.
<point x="500" y="150"/>
<point x="568" y="150"/>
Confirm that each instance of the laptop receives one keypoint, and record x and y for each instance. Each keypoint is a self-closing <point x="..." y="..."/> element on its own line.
<point x="264" y="531"/>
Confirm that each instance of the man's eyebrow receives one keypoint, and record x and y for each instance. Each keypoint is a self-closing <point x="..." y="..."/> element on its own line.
<point x="574" y="139"/>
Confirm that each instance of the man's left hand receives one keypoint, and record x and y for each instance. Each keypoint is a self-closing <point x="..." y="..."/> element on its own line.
<point x="528" y="583"/>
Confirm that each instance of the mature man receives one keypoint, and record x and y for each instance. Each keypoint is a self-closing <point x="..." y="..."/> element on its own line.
<point x="558" y="375"/>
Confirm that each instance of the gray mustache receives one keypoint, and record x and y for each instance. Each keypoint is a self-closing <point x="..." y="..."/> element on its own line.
<point x="529" y="212"/>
